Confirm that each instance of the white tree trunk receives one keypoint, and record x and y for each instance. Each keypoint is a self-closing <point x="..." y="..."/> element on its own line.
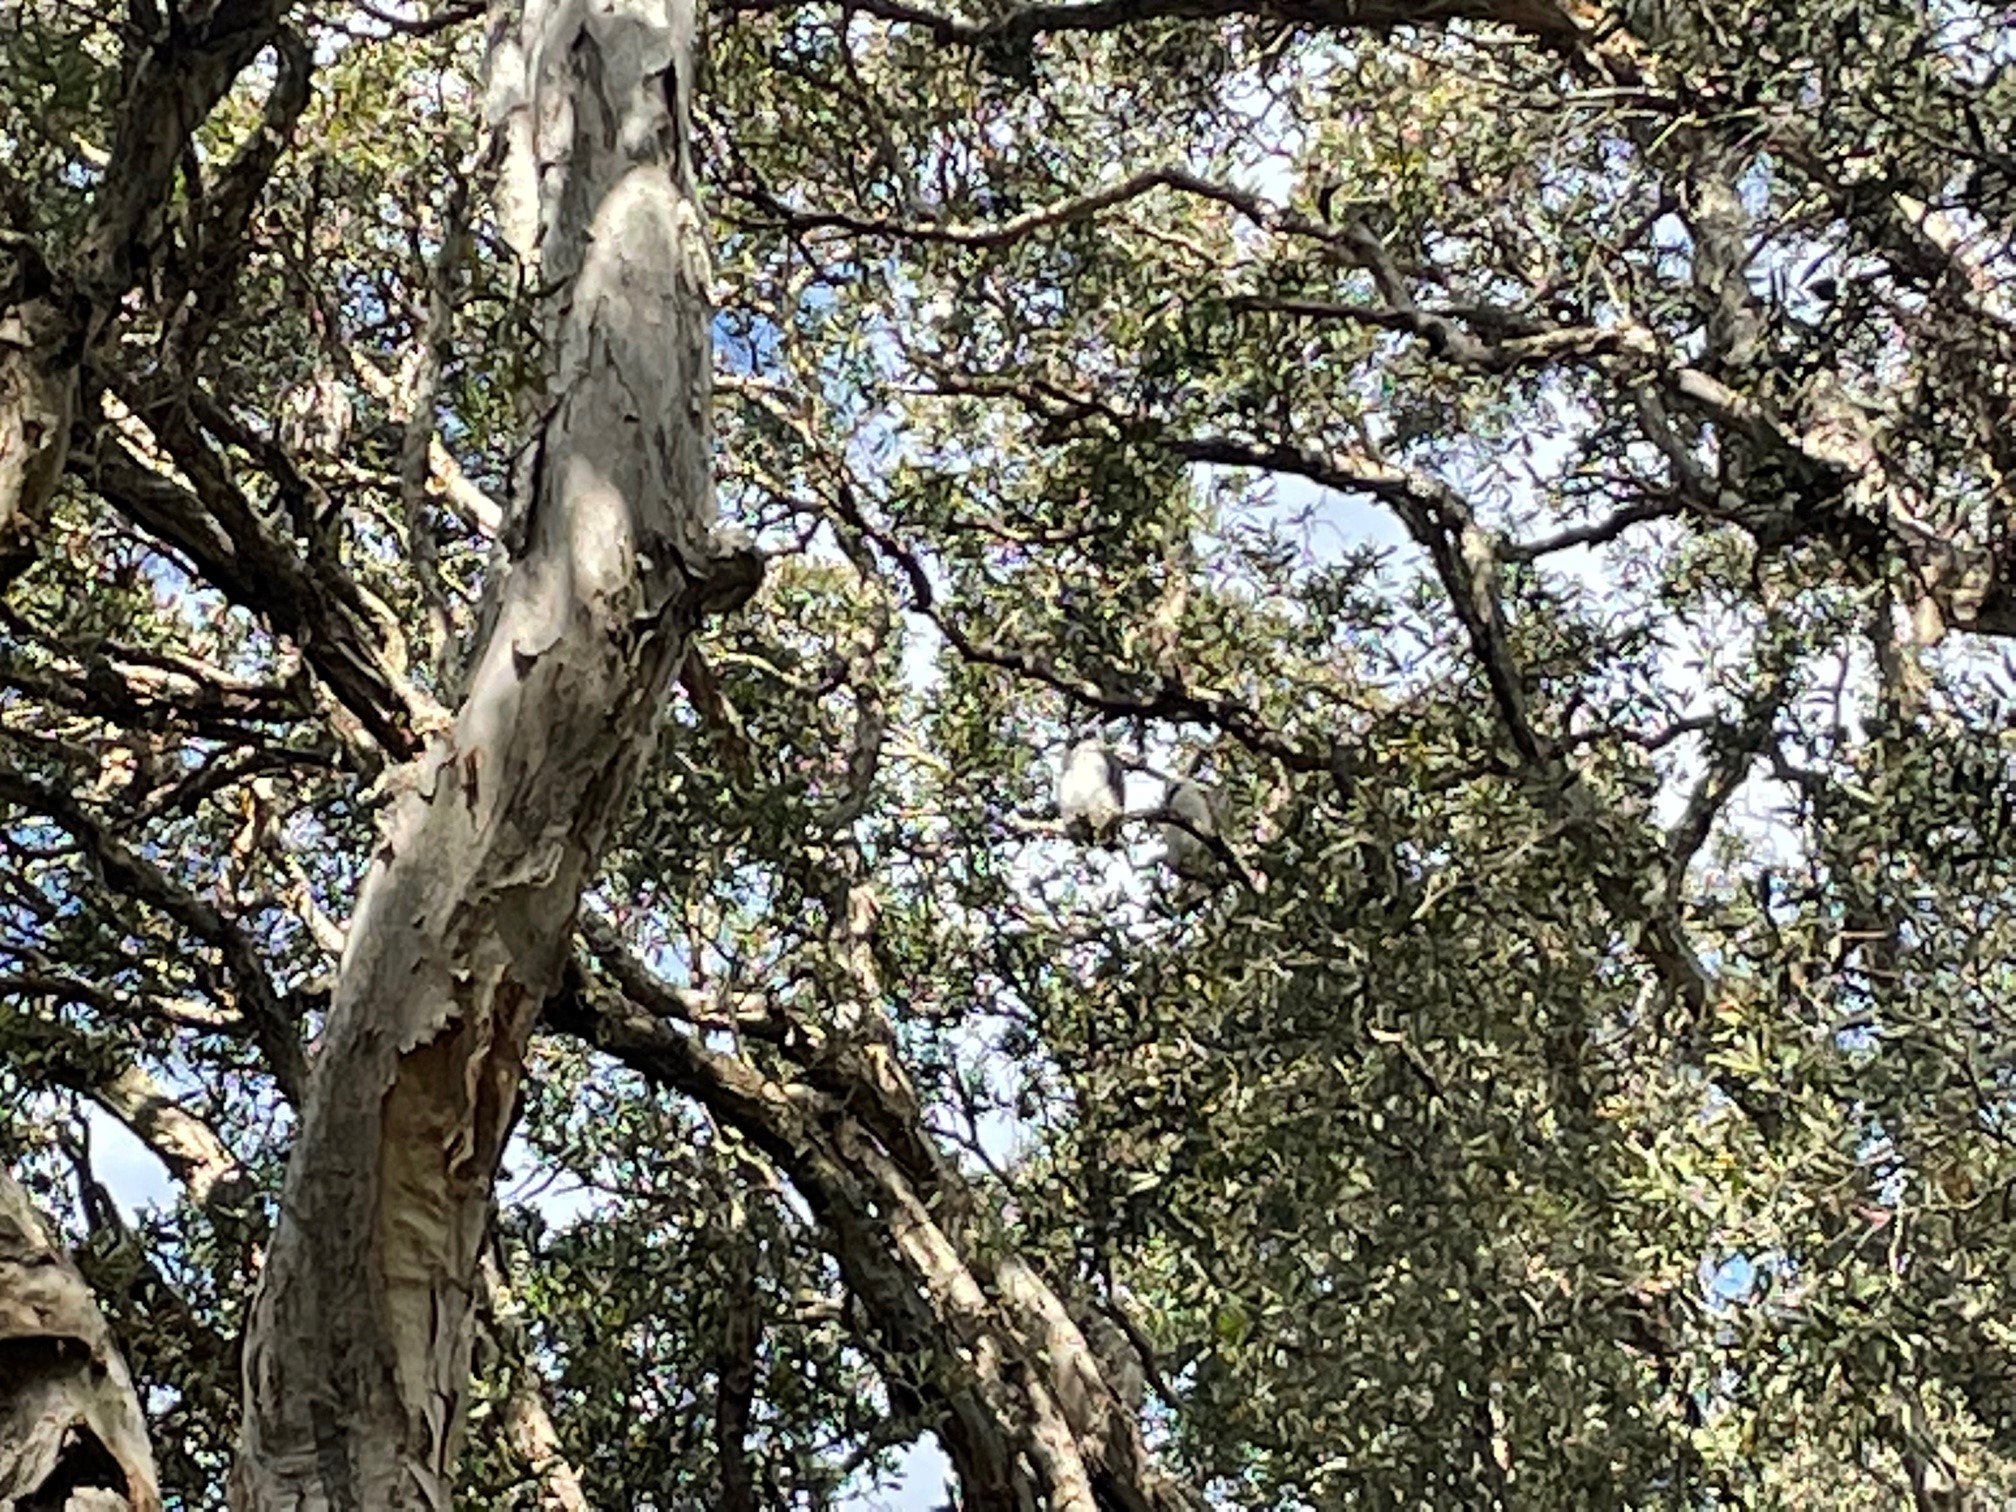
<point x="69" y="1420"/>
<point x="357" y="1355"/>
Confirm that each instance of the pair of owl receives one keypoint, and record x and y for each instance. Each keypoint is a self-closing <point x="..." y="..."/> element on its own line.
<point x="1092" y="802"/>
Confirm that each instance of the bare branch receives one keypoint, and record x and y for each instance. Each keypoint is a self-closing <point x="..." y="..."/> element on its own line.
<point x="1020" y="25"/>
<point x="272" y="583"/>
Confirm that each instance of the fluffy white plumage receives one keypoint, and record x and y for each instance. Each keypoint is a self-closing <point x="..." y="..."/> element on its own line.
<point x="1090" y="795"/>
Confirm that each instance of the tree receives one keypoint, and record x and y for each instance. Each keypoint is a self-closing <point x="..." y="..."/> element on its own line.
<point x="1542" y="468"/>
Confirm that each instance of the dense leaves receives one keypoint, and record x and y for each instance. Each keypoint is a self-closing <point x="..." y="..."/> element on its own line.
<point x="1546" y="471"/>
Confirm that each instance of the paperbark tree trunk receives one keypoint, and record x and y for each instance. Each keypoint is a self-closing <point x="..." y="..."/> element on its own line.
<point x="70" y="1424"/>
<point x="358" y="1349"/>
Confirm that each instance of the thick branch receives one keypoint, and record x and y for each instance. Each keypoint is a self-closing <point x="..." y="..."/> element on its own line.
<point x="50" y="317"/>
<point x="528" y="1426"/>
<point x="271" y="582"/>
<point x="1020" y="25"/>
<point x="1016" y="1382"/>
<point x="191" y="1150"/>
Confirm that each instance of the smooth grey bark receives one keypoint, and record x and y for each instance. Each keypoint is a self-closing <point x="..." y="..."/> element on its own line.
<point x="70" y="1423"/>
<point x="358" y="1350"/>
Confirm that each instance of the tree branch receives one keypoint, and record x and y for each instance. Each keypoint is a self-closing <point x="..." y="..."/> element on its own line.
<point x="126" y="872"/>
<point x="1020" y="25"/>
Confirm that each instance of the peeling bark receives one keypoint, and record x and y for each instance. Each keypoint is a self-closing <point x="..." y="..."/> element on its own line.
<point x="357" y="1357"/>
<point x="70" y="1424"/>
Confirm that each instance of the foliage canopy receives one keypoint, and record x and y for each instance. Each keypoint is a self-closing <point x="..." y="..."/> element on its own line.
<point x="1546" y="469"/>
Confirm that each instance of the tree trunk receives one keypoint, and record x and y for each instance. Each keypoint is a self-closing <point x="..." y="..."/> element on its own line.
<point x="69" y="1420"/>
<point x="357" y="1355"/>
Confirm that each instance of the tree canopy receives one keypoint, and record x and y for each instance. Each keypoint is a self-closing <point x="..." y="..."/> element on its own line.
<point x="1542" y="468"/>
